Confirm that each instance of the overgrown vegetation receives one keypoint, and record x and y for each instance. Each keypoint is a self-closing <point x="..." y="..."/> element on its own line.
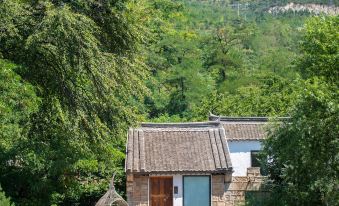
<point x="208" y="58"/>
<point x="71" y="82"/>
<point x="4" y="201"/>
<point x="76" y="74"/>
<point x="303" y="153"/>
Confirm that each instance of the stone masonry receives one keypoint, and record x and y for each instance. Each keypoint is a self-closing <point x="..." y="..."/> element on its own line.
<point x="226" y="190"/>
<point x="231" y="193"/>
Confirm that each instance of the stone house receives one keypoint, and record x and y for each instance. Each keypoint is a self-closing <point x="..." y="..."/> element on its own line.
<point x="194" y="164"/>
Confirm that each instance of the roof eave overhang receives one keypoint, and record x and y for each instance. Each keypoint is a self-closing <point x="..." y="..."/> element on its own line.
<point x="239" y="140"/>
<point x="219" y="171"/>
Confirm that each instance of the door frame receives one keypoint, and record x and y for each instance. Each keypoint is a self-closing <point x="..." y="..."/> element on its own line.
<point x="150" y="187"/>
<point x="210" y="187"/>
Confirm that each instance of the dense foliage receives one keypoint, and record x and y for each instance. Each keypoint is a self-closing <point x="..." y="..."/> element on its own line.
<point x="74" y="75"/>
<point x="207" y="58"/>
<point x="303" y="152"/>
<point x="70" y="87"/>
<point x="4" y="201"/>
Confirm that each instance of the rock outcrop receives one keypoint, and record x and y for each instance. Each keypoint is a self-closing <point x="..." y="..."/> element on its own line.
<point x="311" y="8"/>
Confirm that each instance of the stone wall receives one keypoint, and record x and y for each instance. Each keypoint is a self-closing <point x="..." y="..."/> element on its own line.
<point x="137" y="190"/>
<point x="226" y="190"/>
<point x="231" y="193"/>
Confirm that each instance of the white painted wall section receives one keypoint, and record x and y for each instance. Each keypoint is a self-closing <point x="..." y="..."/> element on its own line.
<point x="178" y="198"/>
<point x="240" y="152"/>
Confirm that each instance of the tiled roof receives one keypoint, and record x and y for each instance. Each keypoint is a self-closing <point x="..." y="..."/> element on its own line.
<point x="241" y="131"/>
<point x="244" y="128"/>
<point x="177" y="148"/>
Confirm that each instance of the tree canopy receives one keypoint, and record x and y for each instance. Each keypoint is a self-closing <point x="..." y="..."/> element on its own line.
<point x="303" y="152"/>
<point x="4" y="201"/>
<point x="74" y="75"/>
<point x="73" y="79"/>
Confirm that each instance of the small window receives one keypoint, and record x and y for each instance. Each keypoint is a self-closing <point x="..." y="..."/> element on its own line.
<point x="255" y="158"/>
<point x="176" y="190"/>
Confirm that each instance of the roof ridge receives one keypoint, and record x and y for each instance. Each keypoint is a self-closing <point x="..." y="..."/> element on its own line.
<point x="181" y="124"/>
<point x="213" y="117"/>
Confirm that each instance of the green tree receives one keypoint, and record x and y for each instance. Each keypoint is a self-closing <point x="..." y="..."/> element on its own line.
<point x="205" y="51"/>
<point x="303" y="153"/>
<point x="273" y="96"/>
<point x="4" y="201"/>
<point x="81" y="62"/>
<point x="179" y="80"/>
<point x="320" y="46"/>
<point x="225" y="49"/>
<point x="18" y="100"/>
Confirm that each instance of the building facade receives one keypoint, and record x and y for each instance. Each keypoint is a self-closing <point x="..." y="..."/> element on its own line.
<point x="194" y="164"/>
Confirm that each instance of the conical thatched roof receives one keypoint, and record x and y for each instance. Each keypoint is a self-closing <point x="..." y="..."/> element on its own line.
<point x="111" y="197"/>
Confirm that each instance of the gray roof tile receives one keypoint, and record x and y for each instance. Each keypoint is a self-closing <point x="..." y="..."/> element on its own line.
<point x="244" y="128"/>
<point x="180" y="147"/>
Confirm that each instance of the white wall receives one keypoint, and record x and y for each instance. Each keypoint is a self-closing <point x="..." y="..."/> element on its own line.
<point x="240" y="152"/>
<point x="177" y="198"/>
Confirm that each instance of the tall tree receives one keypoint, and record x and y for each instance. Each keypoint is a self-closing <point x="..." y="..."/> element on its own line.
<point x="320" y="46"/>
<point x="303" y="152"/>
<point x="82" y="59"/>
<point x="179" y="81"/>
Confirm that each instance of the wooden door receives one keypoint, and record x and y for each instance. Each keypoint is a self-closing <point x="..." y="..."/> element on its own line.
<point x="161" y="191"/>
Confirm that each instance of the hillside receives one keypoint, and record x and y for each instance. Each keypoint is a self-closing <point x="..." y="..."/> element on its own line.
<point x="216" y="51"/>
<point x="76" y="75"/>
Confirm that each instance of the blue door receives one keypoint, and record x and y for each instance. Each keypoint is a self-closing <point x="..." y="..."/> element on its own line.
<point x="197" y="191"/>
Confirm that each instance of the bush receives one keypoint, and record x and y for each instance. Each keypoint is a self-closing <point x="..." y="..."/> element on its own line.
<point x="4" y="201"/>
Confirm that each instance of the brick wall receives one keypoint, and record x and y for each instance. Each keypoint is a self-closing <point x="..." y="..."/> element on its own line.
<point x="137" y="190"/>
